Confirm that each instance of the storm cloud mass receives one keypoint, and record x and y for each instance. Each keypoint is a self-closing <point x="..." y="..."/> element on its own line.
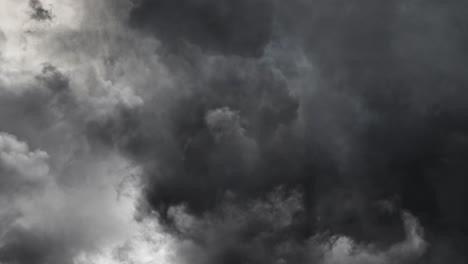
<point x="233" y="131"/>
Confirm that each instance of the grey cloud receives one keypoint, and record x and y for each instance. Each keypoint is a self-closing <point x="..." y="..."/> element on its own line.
<point x="19" y="166"/>
<point x="354" y="127"/>
<point x="355" y="109"/>
<point x="44" y="220"/>
<point x="39" y="12"/>
<point x="232" y="27"/>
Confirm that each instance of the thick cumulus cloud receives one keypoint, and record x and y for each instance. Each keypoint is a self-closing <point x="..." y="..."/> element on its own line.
<point x="46" y="221"/>
<point x="249" y="131"/>
<point x="60" y="197"/>
<point x="21" y="163"/>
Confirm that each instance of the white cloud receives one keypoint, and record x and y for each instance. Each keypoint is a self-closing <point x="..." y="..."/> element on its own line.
<point x="344" y="250"/>
<point x="94" y="217"/>
<point x="16" y="156"/>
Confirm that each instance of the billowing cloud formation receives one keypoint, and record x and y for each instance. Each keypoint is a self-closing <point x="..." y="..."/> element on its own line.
<point x="262" y="131"/>
<point x="16" y="159"/>
<point x="44" y="221"/>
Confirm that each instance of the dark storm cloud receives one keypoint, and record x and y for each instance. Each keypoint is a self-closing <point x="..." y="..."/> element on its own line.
<point x="244" y="232"/>
<point x="384" y="119"/>
<point x="208" y="140"/>
<point x="241" y="129"/>
<point x="269" y="230"/>
<point x="239" y="27"/>
<point x="302" y="131"/>
<point x="405" y="62"/>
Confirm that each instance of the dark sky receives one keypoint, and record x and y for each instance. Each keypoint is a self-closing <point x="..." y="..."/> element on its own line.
<point x="253" y="131"/>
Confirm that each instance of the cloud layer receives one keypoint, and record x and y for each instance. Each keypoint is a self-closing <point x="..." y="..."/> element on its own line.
<point x="261" y="131"/>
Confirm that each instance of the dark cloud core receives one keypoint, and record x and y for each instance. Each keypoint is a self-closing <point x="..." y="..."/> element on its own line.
<point x="372" y="53"/>
<point x="239" y="27"/>
<point x="39" y="12"/>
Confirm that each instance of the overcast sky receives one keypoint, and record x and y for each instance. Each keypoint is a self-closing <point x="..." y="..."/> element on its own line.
<point x="233" y="131"/>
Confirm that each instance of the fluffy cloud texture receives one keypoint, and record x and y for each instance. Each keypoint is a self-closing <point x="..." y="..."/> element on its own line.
<point x="248" y="131"/>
